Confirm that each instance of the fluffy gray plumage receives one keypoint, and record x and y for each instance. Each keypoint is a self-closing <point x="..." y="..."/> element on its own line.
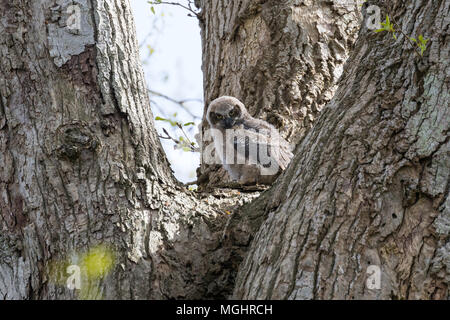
<point x="253" y="152"/>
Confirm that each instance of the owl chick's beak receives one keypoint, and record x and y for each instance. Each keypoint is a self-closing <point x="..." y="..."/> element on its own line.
<point x="228" y="123"/>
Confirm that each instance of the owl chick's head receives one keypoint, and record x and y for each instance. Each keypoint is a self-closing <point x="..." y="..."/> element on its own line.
<point x="225" y="112"/>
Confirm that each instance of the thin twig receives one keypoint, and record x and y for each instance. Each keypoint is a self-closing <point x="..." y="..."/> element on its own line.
<point x="181" y="103"/>
<point x="145" y="40"/>
<point x="184" y="133"/>
<point x="161" y="110"/>
<point x="410" y="41"/>
<point x="189" y="8"/>
<point x="169" y="137"/>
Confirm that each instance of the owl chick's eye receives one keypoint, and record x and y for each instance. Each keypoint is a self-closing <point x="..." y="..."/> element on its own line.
<point x="219" y="116"/>
<point x="232" y="113"/>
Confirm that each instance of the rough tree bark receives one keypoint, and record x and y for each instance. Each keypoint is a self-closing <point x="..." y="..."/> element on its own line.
<point x="369" y="184"/>
<point x="282" y="59"/>
<point x="82" y="166"/>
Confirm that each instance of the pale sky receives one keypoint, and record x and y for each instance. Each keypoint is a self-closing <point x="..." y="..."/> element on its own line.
<point x="174" y="69"/>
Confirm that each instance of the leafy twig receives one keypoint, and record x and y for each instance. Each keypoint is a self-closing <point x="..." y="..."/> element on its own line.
<point x="421" y="43"/>
<point x="411" y="41"/>
<point x="182" y="143"/>
<point x="389" y="27"/>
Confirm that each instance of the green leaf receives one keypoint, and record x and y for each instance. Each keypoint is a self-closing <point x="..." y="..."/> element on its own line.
<point x="423" y="40"/>
<point x="413" y="40"/>
<point x="379" y="30"/>
<point x="153" y="10"/>
<point x="150" y="49"/>
<point x="160" y="119"/>
<point x="189" y="124"/>
<point x="422" y="49"/>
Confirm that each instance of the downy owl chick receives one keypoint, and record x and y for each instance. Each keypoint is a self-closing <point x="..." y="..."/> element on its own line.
<point x="251" y="150"/>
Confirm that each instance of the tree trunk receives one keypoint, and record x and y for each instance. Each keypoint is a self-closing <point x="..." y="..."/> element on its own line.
<point x="368" y="189"/>
<point x="282" y="59"/>
<point x="83" y="177"/>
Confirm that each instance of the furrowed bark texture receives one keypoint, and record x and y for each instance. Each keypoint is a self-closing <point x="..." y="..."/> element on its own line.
<point x="282" y="59"/>
<point x="81" y="164"/>
<point x="369" y="185"/>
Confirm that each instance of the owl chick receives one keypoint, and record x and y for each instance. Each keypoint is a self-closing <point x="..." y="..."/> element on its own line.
<point x="251" y="150"/>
